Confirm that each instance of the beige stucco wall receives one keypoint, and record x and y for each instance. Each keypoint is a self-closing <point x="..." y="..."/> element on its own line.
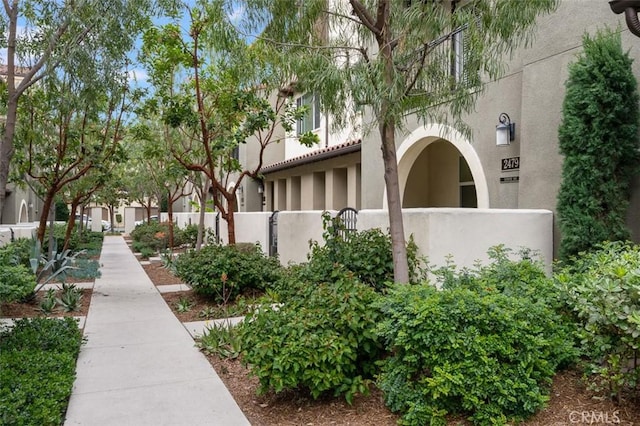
<point x="466" y="234"/>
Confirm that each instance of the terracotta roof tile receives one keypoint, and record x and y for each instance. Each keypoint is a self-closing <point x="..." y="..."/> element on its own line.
<point x="311" y="157"/>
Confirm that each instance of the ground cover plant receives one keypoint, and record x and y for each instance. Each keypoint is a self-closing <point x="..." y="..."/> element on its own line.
<point x="37" y="369"/>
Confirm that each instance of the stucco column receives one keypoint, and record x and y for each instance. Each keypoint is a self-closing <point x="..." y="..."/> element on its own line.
<point x="96" y="219"/>
<point x="353" y="186"/>
<point x="129" y="219"/>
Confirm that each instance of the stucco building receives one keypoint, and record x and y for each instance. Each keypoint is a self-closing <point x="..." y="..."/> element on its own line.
<point x="439" y="167"/>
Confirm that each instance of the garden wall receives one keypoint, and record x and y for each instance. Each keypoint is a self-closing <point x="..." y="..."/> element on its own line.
<point x="466" y="234"/>
<point x="22" y="230"/>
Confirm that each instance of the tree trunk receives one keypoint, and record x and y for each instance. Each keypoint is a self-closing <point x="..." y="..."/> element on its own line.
<point x="52" y="221"/>
<point x="170" y="214"/>
<point x="396" y="223"/>
<point x="70" y="225"/>
<point x="203" y="208"/>
<point x="387" y="134"/>
<point x="6" y="150"/>
<point x="44" y="214"/>
<point x="231" y="223"/>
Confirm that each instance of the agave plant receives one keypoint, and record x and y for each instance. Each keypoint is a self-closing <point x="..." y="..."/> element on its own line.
<point x="48" y="269"/>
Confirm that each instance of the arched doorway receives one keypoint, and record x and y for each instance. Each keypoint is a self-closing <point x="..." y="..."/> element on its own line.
<point x="439" y="177"/>
<point x="438" y="167"/>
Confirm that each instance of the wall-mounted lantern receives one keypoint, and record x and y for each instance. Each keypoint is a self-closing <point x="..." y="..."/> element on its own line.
<point x="505" y="130"/>
<point x="630" y="9"/>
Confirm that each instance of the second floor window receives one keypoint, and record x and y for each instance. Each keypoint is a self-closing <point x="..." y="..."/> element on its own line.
<point x="311" y="119"/>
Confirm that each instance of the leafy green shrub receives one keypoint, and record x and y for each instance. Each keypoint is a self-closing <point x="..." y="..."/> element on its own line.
<point x="320" y="341"/>
<point x="485" y="345"/>
<point x="147" y="252"/>
<point x="37" y="369"/>
<point x="598" y="137"/>
<point x="367" y="254"/>
<point x="602" y="289"/>
<point x="154" y="235"/>
<point x="16" y="252"/>
<point x="16" y="283"/>
<point x="224" y="272"/>
<point x="190" y="235"/>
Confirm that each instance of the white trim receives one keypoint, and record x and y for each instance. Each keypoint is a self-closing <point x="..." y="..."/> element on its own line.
<point x="420" y="138"/>
<point x="23" y="208"/>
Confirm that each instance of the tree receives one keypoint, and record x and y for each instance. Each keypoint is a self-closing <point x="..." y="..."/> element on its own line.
<point x="599" y="139"/>
<point x="395" y="58"/>
<point x="217" y="91"/>
<point x="74" y="125"/>
<point x="41" y="35"/>
<point x="167" y="175"/>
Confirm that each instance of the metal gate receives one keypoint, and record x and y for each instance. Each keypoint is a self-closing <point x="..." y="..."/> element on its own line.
<point x="273" y="234"/>
<point x="347" y="218"/>
<point x="218" y="228"/>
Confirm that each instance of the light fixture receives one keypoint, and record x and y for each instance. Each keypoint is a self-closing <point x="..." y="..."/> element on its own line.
<point x="630" y="8"/>
<point x="505" y="131"/>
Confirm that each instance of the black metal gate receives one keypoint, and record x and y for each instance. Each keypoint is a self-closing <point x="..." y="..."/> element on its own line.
<point x="347" y="219"/>
<point x="218" y="228"/>
<point x="273" y="234"/>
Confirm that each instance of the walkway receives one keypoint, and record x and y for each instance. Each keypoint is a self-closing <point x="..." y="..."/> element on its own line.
<point x="139" y="365"/>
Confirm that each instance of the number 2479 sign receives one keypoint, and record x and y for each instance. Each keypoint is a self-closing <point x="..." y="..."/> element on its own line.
<point x="512" y="163"/>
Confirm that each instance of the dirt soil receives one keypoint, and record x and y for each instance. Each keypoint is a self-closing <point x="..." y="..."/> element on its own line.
<point x="31" y="309"/>
<point x="571" y="403"/>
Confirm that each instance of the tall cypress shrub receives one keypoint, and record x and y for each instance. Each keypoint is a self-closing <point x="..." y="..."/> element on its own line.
<point x="598" y="137"/>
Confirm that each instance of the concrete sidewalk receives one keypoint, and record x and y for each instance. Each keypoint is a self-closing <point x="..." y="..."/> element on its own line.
<point x="139" y="365"/>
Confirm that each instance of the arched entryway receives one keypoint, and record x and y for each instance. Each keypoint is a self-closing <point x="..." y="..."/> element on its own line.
<point x="438" y="167"/>
<point x="23" y="216"/>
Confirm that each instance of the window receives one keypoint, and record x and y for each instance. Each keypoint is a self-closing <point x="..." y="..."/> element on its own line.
<point x="311" y="119"/>
<point x="468" y="196"/>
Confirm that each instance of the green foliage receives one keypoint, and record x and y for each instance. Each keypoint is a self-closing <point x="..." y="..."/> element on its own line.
<point x="85" y="269"/>
<point x="16" y="283"/>
<point x="241" y="306"/>
<point x="367" y="254"/>
<point x="37" y="369"/>
<point x="17" y="252"/>
<point x="224" y="272"/>
<point x="48" y="303"/>
<point x="487" y="344"/>
<point x="183" y="304"/>
<point x="70" y="299"/>
<point x="220" y="340"/>
<point x="55" y="267"/>
<point x="147" y="252"/>
<point x="602" y="289"/>
<point x="321" y="341"/>
<point x="62" y="211"/>
<point x="154" y="235"/>
<point x="190" y="235"/>
<point x="16" y="280"/>
<point x="598" y="137"/>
